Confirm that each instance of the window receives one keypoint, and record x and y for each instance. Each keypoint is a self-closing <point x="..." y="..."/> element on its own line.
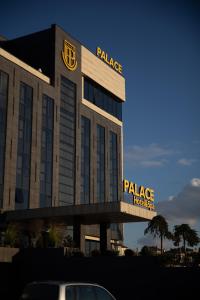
<point x="102" y="294"/>
<point x="116" y="231"/>
<point x="100" y="163"/>
<point x="67" y="142"/>
<point x="85" y="160"/>
<point x="113" y="167"/>
<point x="85" y="292"/>
<point x="91" y="245"/>
<point x="99" y="96"/>
<point x="46" y="163"/>
<point x="3" y="121"/>
<point x="70" y="293"/>
<point x="24" y="147"/>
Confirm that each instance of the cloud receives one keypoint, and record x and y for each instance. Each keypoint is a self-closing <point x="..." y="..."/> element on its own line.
<point x="195" y="182"/>
<point x="186" y="162"/>
<point x="184" y="207"/>
<point x="149" y="156"/>
<point x="179" y="209"/>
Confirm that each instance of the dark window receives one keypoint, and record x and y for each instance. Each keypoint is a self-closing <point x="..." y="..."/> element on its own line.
<point x="102" y="294"/>
<point x="46" y="164"/>
<point x="67" y="142"/>
<point x="85" y="160"/>
<point x="99" y="96"/>
<point x="91" y="245"/>
<point x="3" y="121"/>
<point x="113" y="167"/>
<point x="100" y="163"/>
<point x="85" y="292"/>
<point x="70" y="293"/>
<point x="24" y="147"/>
<point x="116" y="231"/>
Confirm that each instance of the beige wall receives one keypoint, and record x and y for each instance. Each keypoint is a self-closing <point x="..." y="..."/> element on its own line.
<point x="97" y="70"/>
<point x="23" y="65"/>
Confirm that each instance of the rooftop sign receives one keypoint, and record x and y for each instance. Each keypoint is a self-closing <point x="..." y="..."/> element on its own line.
<point x="141" y="196"/>
<point x="109" y="60"/>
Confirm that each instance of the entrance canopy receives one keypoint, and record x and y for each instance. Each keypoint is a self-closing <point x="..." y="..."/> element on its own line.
<point x="87" y="214"/>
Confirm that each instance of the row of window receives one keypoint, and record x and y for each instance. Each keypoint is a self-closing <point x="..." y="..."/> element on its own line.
<point x="66" y="149"/>
<point x="100" y="163"/>
<point x="102" y="98"/>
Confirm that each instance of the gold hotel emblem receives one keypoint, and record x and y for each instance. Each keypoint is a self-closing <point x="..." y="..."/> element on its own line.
<point x="69" y="56"/>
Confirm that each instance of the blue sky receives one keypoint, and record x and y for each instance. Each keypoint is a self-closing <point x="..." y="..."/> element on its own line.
<point x="158" y="44"/>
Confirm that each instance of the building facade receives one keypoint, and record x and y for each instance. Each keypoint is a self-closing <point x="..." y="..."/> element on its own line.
<point x="61" y="138"/>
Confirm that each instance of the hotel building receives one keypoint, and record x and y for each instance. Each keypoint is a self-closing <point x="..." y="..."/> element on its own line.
<point x="61" y="129"/>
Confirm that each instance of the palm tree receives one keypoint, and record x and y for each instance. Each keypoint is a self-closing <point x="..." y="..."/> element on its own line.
<point x="158" y="226"/>
<point x="186" y="234"/>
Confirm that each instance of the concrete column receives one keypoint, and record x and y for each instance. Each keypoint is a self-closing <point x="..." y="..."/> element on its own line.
<point x="79" y="236"/>
<point x="105" y="236"/>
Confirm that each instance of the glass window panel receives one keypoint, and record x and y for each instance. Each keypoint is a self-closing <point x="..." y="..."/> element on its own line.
<point x="85" y="160"/>
<point x="24" y="146"/>
<point x="85" y="293"/>
<point x="113" y="167"/>
<point x="100" y="163"/>
<point x="46" y="164"/>
<point x="102" y="294"/>
<point x="67" y="140"/>
<point x="70" y="293"/>
<point x="102" y="98"/>
<point x="86" y="89"/>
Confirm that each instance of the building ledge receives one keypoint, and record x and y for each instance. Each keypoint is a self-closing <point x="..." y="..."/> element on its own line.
<point x="111" y="212"/>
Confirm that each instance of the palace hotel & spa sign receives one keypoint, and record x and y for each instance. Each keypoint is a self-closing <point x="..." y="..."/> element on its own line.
<point x="141" y="196"/>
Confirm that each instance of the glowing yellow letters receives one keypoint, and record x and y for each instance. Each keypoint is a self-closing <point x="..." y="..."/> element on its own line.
<point x="141" y="195"/>
<point x="110" y="61"/>
<point x="142" y="192"/>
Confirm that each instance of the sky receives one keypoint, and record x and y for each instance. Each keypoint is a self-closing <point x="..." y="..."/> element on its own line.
<point x="158" y="44"/>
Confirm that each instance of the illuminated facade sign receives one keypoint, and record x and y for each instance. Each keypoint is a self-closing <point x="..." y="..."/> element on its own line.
<point x="69" y="56"/>
<point x="109" y="60"/>
<point x="141" y="196"/>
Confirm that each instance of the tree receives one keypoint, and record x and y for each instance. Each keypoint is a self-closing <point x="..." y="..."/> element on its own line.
<point x="11" y="235"/>
<point x="53" y="237"/>
<point x="158" y="226"/>
<point x="185" y="234"/>
<point x="146" y="251"/>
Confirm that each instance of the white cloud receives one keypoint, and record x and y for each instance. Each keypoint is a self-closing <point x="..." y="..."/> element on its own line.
<point x="179" y="209"/>
<point x="153" y="163"/>
<point x="151" y="155"/>
<point x="195" y="182"/>
<point x="171" y="198"/>
<point x="184" y="207"/>
<point x="186" y="162"/>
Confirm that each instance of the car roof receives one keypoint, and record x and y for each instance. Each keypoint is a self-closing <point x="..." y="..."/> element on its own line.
<point x="63" y="283"/>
